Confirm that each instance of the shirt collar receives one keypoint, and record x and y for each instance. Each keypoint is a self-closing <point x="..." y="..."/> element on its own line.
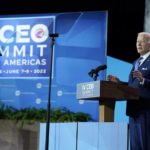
<point x="146" y="55"/>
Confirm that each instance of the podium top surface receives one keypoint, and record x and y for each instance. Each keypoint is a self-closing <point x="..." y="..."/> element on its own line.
<point x="98" y="90"/>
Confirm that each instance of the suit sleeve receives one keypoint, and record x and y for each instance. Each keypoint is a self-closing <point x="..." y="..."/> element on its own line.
<point x="146" y="83"/>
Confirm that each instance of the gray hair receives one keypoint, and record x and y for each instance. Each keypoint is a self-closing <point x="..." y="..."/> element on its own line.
<point x="144" y="33"/>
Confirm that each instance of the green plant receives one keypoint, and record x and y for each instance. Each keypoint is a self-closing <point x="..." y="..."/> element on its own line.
<point x="30" y="115"/>
<point x="65" y="115"/>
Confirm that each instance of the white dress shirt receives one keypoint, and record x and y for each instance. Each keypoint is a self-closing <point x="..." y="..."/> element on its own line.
<point x="141" y="62"/>
<point x="144" y="57"/>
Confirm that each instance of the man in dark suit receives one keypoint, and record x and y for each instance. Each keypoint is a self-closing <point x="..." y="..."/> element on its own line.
<point x="139" y="111"/>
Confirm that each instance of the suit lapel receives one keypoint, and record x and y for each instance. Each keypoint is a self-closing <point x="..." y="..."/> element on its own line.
<point x="144" y="65"/>
<point x="146" y="62"/>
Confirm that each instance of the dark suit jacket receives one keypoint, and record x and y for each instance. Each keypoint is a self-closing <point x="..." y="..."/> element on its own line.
<point x="134" y="108"/>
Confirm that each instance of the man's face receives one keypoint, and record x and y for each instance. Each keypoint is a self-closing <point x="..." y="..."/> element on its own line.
<point x="143" y="44"/>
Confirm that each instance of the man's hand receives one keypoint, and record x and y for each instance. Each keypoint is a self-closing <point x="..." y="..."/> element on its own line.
<point x="138" y="74"/>
<point x="113" y="78"/>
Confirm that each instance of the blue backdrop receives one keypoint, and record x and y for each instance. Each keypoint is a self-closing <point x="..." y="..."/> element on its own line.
<point x="25" y="46"/>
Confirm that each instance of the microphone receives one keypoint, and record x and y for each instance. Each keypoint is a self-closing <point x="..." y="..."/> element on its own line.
<point x="54" y="35"/>
<point x="96" y="70"/>
<point x="100" y="68"/>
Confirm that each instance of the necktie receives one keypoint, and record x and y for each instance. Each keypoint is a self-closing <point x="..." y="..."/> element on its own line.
<point x="137" y="63"/>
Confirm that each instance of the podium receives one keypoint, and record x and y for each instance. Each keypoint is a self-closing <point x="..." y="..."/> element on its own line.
<point x="106" y="92"/>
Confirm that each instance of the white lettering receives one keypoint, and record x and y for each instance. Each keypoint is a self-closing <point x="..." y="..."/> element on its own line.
<point x="3" y="36"/>
<point x="16" y="50"/>
<point x="41" y="49"/>
<point x="5" y="51"/>
<point x="21" y="31"/>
